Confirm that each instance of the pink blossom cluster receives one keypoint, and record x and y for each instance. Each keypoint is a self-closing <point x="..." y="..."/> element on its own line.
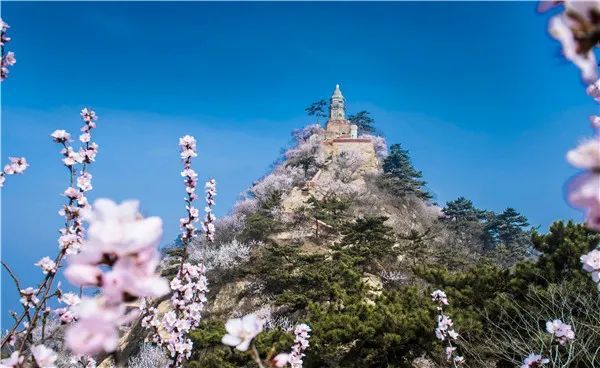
<point x="578" y="30"/>
<point x="561" y="331"/>
<point x="8" y="58"/>
<point x="43" y="357"/>
<point x="189" y="297"/>
<point x="34" y="300"/>
<point x="584" y="189"/>
<point x="439" y="297"/>
<point x="17" y="165"/>
<point x="444" y="330"/>
<point x="591" y="264"/>
<point x="187" y="146"/>
<point x="294" y="358"/>
<point x="65" y="314"/>
<point x="77" y="162"/>
<point x="120" y="257"/>
<point x="13" y="361"/>
<point x="534" y="361"/>
<point x="208" y="226"/>
<point x="190" y="285"/>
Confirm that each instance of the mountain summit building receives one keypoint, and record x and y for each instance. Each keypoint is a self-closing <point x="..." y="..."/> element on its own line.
<point x="340" y="134"/>
<point x="344" y="158"/>
<point x="337" y="125"/>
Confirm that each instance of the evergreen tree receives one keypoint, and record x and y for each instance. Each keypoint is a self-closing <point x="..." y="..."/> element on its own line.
<point x="330" y="210"/>
<point x="363" y="121"/>
<point x="317" y="109"/>
<point x="463" y="210"/>
<point x="559" y="256"/>
<point x="262" y="223"/>
<point x="368" y="240"/>
<point x="507" y="237"/>
<point x="509" y="226"/>
<point x="404" y="178"/>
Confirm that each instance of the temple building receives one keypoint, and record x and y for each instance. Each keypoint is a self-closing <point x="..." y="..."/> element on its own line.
<point x="340" y="134"/>
<point x="337" y="125"/>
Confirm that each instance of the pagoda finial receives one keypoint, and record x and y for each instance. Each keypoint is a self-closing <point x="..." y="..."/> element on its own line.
<point x="337" y="92"/>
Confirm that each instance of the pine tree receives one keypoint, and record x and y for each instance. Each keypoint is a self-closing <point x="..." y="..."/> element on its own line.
<point x="462" y="210"/>
<point x="363" y="121"/>
<point x="510" y="226"/>
<point x="404" y="177"/>
<point x="368" y="240"/>
<point x="317" y="109"/>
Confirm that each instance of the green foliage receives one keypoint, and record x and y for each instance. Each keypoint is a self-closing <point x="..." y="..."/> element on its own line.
<point x="363" y="121"/>
<point x="391" y="332"/>
<point x="504" y="237"/>
<point x="508" y="226"/>
<point x="463" y="210"/>
<point x="317" y="109"/>
<point x="331" y="209"/>
<point x="367" y="240"/>
<point x="400" y="176"/>
<point x="354" y="326"/>
<point x="173" y="254"/>
<point x="296" y="279"/>
<point x="558" y="260"/>
<point x="487" y="301"/>
<point x="416" y="245"/>
<point x="258" y="226"/>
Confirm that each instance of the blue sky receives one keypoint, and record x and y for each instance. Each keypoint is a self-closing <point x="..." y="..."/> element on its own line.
<point x="475" y="91"/>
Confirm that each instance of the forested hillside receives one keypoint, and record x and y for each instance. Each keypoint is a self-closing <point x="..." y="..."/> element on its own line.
<point x="358" y="259"/>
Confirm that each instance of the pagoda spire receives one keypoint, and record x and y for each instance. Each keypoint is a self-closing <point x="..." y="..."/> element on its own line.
<point x="337" y="108"/>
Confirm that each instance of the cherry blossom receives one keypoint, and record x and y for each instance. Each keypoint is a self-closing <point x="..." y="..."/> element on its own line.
<point x="35" y="300"/>
<point x="562" y="332"/>
<point x="444" y="330"/>
<point x="586" y="155"/>
<point x="17" y="165"/>
<point x="575" y="29"/>
<point x="96" y="329"/>
<point x="595" y="120"/>
<point x="29" y="297"/>
<point x="88" y="115"/>
<point x="281" y="359"/>
<point x="47" y="265"/>
<point x="120" y="237"/>
<point x="241" y="331"/>
<point x="439" y="297"/>
<point x="84" y="182"/>
<point x="534" y="361"/>
<point x="190" y="285"/>
<point x="15" y="359"/>
<point x="120" y="257"/>
<point x="44" y="356"/>
<point x="189" y="297"/>
<point x="593" y="90"/>
<point x="591" y="263"/>
<point x="8" y="58"/>
<point x="60" y="136"/>
<point x="301" y="333"/>
<point x="119" y="228"/>
<point x="69" y="299"/>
